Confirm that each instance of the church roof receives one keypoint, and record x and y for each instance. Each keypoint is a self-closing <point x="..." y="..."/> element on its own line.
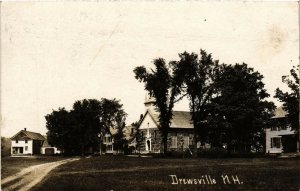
<point x="180" y="119"/>
<point x="149" y="99"/>
<point x="28" y="135"/>
<point x="46" y="144"/>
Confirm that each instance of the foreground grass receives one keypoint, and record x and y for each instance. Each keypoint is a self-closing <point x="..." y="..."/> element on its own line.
<point x="12" y="165"/>
<point x="125" y="173"/>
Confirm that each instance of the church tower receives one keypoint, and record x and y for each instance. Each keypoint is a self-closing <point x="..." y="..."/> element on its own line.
<point x="149" y="103"/>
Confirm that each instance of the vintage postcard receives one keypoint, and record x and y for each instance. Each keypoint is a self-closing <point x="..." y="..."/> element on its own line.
<point x="149" y="95"/>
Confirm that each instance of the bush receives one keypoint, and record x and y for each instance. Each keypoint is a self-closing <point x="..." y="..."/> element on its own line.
<point x="5" y="146"/>
<point x="214" y="152"/>
<point x="217" y="152"/>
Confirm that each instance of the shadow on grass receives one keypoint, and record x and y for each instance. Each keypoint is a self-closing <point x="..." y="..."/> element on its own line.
<point x="134" y="173"/>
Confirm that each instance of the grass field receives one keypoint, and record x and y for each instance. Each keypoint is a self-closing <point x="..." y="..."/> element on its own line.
<point x="12" y="165"/>
<point x="127" y="173"/>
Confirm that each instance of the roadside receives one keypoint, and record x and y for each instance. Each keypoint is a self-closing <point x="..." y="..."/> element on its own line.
<point x="29" y="177"/>
<point x="13" y="165"/>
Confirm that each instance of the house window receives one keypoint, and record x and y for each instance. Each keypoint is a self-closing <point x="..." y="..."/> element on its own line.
<point x="109" y="148"/>
<point x="26" y="141"/>
<point x="26" y="148"/>
<point x="17" y="141"/>
<point x="186" y="141"/>
<point x="275" y="142"/>
<point x="174" y="142"/>
<point x="283" y="127"/>
<point x="107" y="139"/>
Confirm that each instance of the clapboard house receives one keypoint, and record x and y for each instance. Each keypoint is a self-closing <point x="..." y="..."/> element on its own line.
<point x="26" y="143"/>
<point x="280" y="138"/>
<point x="108" y="140"/>
<point x="180" y="136"/>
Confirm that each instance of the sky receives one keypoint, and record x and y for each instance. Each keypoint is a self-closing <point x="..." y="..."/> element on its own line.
<point x="54" y="53"/>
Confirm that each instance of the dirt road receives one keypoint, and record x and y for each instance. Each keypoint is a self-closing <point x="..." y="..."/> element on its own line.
<point x="29" y="177"/>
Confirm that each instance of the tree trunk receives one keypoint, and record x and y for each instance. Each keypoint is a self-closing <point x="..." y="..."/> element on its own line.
<point x="195" y="154"/>
<point x="82" y="150"/>
<point x="298" y="142"/>
<point x="165" y="146"/>
<point x="165" y="142"/>
<point x="228" y="149"/>
<point x="100" y="145"/>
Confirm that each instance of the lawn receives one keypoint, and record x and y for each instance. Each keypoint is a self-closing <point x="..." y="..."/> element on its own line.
<point x="127" y="173"/>
<point x="12" y="165"/>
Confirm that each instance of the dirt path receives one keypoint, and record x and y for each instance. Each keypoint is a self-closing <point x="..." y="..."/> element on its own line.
<point x="29" y="177"/>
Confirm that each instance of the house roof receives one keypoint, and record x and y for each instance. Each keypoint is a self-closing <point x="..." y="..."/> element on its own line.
<point x="279" y="113"/>
<point x="126" y="131"/>
<point x="180" y="119"/>
<point x="113" y="130"/>
<point x="46" y="144"/>
<point x="28" y="135"/>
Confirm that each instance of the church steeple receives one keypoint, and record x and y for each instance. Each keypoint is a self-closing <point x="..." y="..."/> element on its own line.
<point x="149" y="103"/>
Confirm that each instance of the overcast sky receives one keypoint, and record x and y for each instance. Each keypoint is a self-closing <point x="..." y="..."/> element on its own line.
<point x="56" y="53"/>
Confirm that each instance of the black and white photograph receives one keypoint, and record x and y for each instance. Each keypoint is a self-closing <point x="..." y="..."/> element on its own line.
<point x="177" y="95"/>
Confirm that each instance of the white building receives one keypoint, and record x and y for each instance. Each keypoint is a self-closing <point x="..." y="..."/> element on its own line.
<point x="47" y="149"/>
<point x="108" y="140"/>
<point x="108" y="143"/>
<point x="280" y="138"/>
<point x="26" y="143"/>
<point x="180" y="135"/>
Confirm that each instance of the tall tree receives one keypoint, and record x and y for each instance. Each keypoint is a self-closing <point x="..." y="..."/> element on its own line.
<point x="139" y="136"/>
<point x="291" y="99"/>
<point x="240" y="105"/>
<point x="119" y="138"/>
<point x="164" y="87"/>
<point x="199" y="87"/>
<point x="87" y="116"/>
<point x="60" y="133"/>
<point x="112" y="116"/>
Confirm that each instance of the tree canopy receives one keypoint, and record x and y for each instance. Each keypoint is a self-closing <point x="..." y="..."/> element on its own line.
<point x="77" y="130"/>
<point x="291" y="99"/>
<point x="227" y="102"/>
<point x="239" y="106"/>
<point x="164" y="85"/>
<point x="198" y="79"/>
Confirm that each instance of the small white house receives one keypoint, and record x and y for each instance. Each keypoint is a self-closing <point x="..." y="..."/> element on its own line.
<point x="108" y="143"/>
<point x="48" y="149"/>
<point x="108" y="140"/>
<point x="280" y="138"/>
<point x="26" y="143"/>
